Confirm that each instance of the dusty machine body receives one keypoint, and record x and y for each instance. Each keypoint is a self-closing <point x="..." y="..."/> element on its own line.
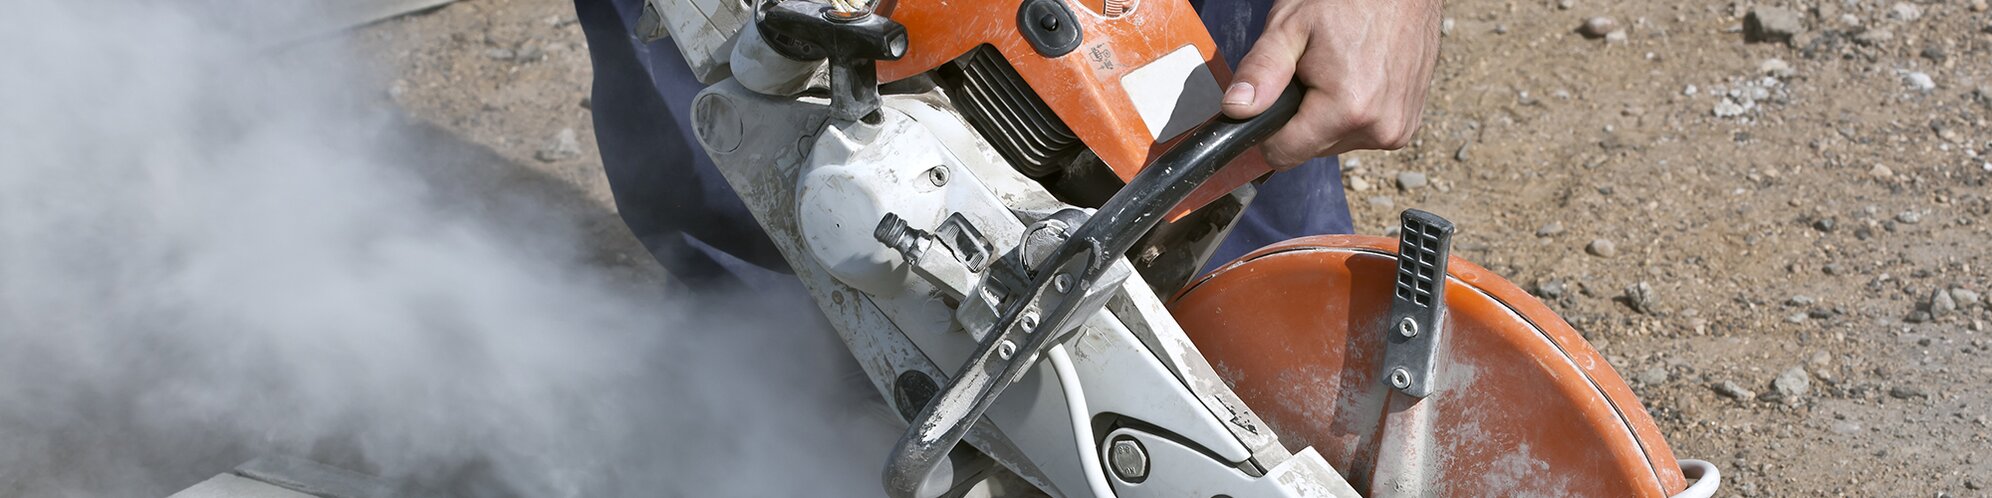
<point x="1002" y="207"/>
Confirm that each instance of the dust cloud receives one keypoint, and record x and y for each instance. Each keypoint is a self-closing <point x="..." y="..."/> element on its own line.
<point x="217" y="245"/>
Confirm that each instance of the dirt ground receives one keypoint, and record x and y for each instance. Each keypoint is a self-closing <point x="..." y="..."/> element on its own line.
<point x="1781" y="245"/>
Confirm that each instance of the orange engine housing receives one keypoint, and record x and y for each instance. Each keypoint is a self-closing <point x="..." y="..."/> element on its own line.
<point x="1085" y="87"/>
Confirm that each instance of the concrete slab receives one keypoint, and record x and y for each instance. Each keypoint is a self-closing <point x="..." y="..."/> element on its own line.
<point x="234" y="486"/>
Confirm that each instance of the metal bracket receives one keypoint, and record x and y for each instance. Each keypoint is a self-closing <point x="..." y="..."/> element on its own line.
<point x="1418" y="303"/>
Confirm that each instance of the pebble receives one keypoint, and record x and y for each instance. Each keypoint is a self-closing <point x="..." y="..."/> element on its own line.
<point x="1965" y="298"/>
<point x="1359" y="184"/>
<point x="1411" y="180"/>
<point x="1833" y="269"/>
<point x="1382" y="201"/>
<point x="1642" y="298"/>
<point x="1550" y="229"/>
<point x="1446" y="27"/>
<point x="1461" y="154"/>
<point x="1935" y="54"/>
<point x="1597" y="27"/>
<point x="1920" y="81"/>
<point x="1775" y="67"/>
<point x="1772" y="24"/>
<point x="1907" y="392"/>
<point x="1904" y="11"/>
<point x="1941" y="303"/>
<point x="565" y="146"/>
<point x="1789" y="386"/>
<point x="1654" y="376"/>
<point x="1880" y="171"/>
<point x="1910" y="217"/>
<point x="1819" y="359"/>
<point x="1874" y="37"/>
<point x="1824" y="225"/>
<point x="1728" y="109"/>
<point x="1731" y="390"/>
<point x="1602" y="248"/>
<point x="1801" y="300"/>
<point x="1566" y="4"/>
<point x="499" y="54"/>
<point x="1616" y="37"/>
<point x="1552" y="289"/>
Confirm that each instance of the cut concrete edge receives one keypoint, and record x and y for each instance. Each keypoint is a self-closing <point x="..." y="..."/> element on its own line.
<point x="234" y="486"/>
<point x="314" y="478"/>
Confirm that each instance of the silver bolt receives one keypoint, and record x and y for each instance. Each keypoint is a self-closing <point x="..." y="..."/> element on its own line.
<point x="938" y="175"/>
<point x="1006" y="350"/>
<point x="1062" y="282"/>
<point x="1029" y="321"/>
<point x="1128" y="459"/>
<point x="1407" y="327"/>
<point x="1400" y="378"/>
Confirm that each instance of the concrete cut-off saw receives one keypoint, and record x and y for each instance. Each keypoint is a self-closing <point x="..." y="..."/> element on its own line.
<point x="1003" y="207"/>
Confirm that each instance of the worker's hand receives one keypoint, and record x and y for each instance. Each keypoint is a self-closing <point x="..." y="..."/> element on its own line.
<point x="1366" y="65"/>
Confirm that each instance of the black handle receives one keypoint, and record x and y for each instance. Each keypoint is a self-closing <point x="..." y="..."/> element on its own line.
<point x="853" y="41"/>
<point x="1087" y="254"/>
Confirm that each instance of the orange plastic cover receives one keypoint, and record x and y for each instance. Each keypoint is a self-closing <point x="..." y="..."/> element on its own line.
<point x="1083" y="87"/>
<point x="1523" y="406"/>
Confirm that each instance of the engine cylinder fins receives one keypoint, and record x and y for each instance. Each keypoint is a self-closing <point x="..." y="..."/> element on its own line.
<point x="1000" y="105"/>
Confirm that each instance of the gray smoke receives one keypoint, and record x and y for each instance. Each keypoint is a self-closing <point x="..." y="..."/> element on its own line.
<point x="212" y="249"/>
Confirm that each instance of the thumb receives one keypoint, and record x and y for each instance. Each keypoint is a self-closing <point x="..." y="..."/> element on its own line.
<point x="1262" y="75"/>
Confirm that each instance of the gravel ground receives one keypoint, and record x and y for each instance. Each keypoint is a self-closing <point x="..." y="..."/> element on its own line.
<point x="1770" y="217"/>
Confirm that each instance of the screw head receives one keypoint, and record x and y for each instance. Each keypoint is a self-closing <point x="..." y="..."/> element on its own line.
<point x="1029" y="321"/>
<point x="1128" y="459"/>
<point x="1400" y="378"/>
<point x="1407" y="327"/>
<point x="938" y="175"/>
<point x="1006" y="350"/>
<point x="1062" y="283"/>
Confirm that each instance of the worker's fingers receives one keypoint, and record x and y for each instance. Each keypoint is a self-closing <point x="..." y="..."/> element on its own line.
<point x="1265" y="72"/>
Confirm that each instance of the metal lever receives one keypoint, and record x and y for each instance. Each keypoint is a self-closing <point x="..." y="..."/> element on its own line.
<point x="1069" y="284"/>
<point x="854" y="39"/>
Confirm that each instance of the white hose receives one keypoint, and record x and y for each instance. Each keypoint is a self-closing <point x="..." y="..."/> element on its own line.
<point x="1706" y="477"/>
<point x="1082" y="425"/>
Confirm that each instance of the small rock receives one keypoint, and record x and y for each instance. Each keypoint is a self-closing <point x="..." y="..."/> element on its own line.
<point x="1880" y="171"/>
<point x="1597" y="27"/>
<point x="1566" y="4"/>
<point x="1359" y="184"/>
<point x="1616" y="37"/>
<point x="1941" y="303"/>
<point x="1382" y="201"/>
<point x="1641" y="298"/>
<point x="1906" y="392"/>
<point x="1446" y="27"/>
<point x="1983" y="94"/>
<point x="1824" y="225"/>
<point x="1731" y="390"/>
<point x="1965" y="298"/>
<point x="1461" y="154"/>
<point x="1833" y="269"/>
<point x="1920" y="81"/>
<point x="1790" y="385"/>
<point x="1553" y="289"/>
<point x="1772" y="24"/>
<point x="1909" y="217"/>
<point x="1654" y="376"/>
<point x="1550" y="229"/>
<point x="1411" y="180"/>
<point x="1918" y="316"/>
<point x="500" y="54"/>
<point x="1874" y="37"/>
<point x="1801" y="300"/>
<point x="1904" y="11"/>
<point x="1602" y="248"/>
<point x="1980" y="6"/>
<point x="587" y="102"/>
<point x="1819" y="359"/>
<point x="1728" y="109"/>
<point x="565" y="146"/>
<point x="1935" y="54"/>
<point x="1775" y="67"/>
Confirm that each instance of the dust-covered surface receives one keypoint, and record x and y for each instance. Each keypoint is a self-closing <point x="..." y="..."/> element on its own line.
<point x="1748" y="230"/>
<point x="219" y="243"/>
